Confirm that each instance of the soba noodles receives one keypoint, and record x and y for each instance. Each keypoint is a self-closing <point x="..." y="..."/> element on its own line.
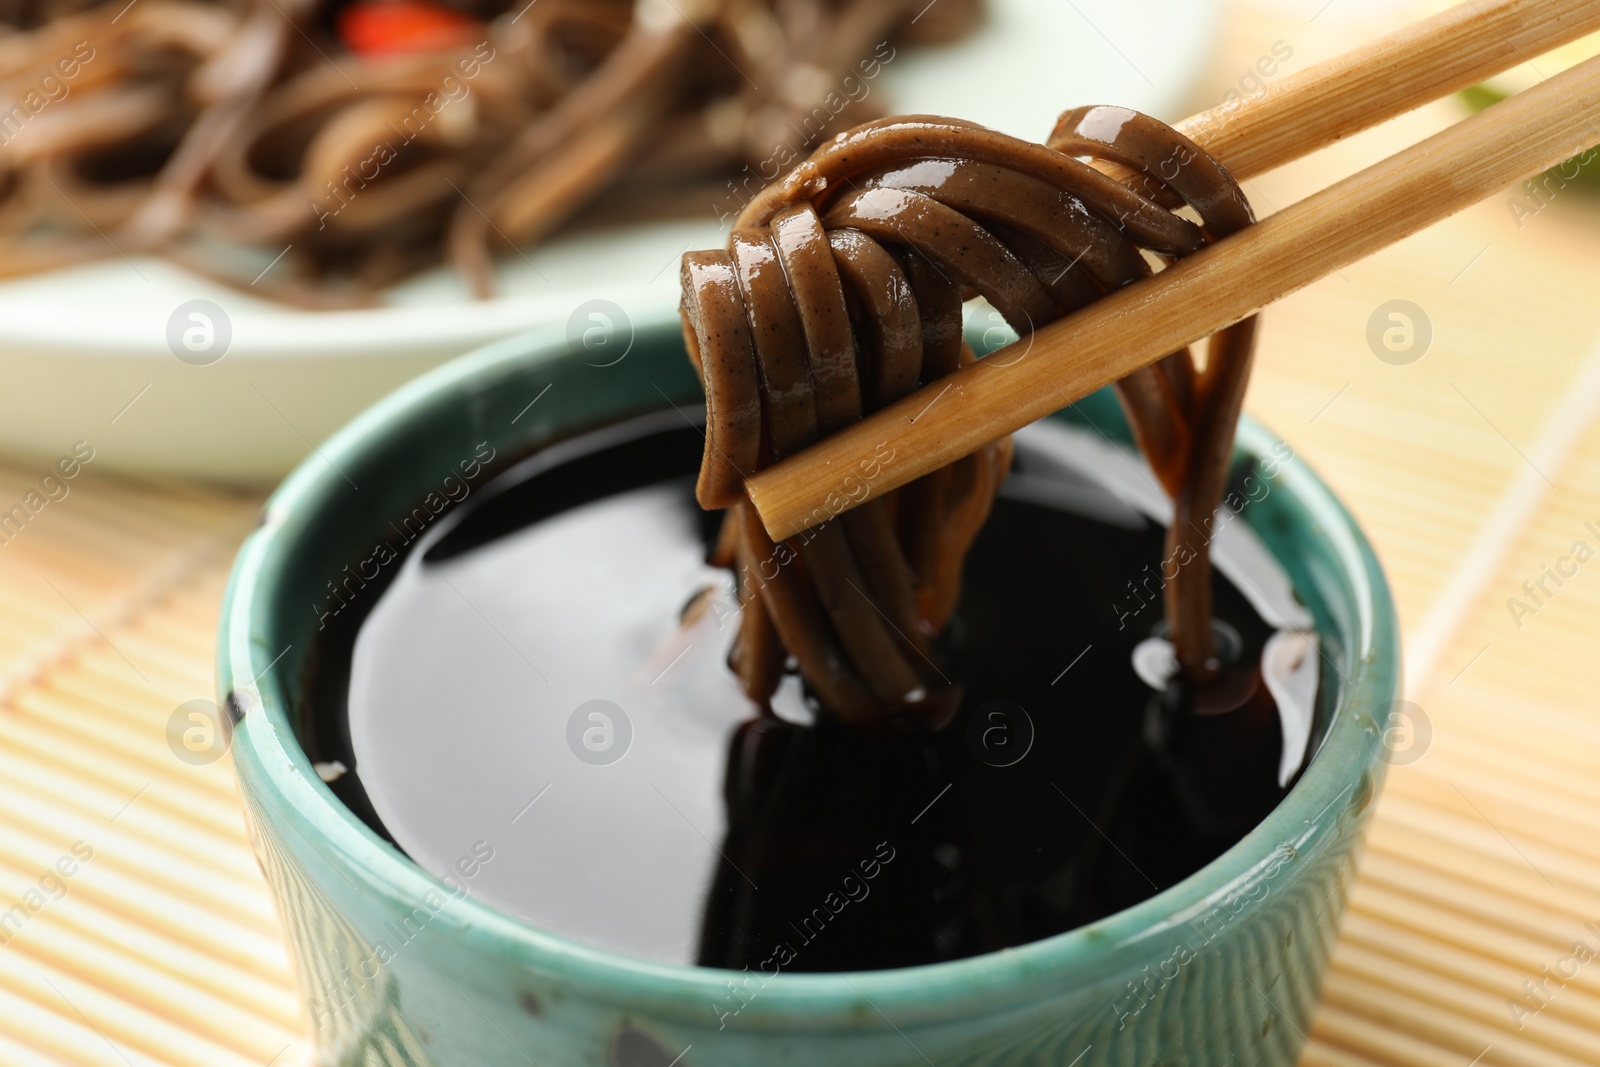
<point x="365" y="139"/>
<point x="841" y="291"/>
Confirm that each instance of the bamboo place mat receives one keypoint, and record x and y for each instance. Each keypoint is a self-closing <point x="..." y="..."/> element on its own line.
<point x="1473" y="470"/>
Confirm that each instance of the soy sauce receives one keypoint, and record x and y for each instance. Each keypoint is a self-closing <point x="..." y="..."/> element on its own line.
<point x="542" y="681"/>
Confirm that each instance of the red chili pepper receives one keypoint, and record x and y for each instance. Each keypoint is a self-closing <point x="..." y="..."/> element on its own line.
<point x="397" y="27"/>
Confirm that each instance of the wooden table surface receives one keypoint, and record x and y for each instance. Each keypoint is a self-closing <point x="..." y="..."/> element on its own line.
<point x="145" y="934"/>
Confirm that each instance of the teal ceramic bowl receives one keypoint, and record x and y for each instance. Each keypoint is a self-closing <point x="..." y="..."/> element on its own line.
<point x="398" y="967"/>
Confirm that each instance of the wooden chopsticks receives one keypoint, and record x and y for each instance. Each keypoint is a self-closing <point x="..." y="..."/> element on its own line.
<point x="1311" y="109"/>
<point x="1236" y="277"/>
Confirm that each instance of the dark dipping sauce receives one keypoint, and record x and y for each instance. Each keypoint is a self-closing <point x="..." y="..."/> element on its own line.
<point x="683" y="825"/>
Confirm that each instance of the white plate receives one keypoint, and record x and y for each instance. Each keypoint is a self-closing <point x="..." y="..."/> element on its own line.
<point x="84" y="353"/>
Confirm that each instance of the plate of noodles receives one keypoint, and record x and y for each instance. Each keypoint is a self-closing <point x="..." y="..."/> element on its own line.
<point x="227" y="226"/>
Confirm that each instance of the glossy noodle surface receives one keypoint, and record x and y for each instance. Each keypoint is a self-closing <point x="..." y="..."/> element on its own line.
<point x="841" y="291"/>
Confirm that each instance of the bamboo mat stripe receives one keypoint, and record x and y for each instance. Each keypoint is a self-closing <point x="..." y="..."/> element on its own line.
<point x="1474" y="470"/>
<point x="1534" y="479"/>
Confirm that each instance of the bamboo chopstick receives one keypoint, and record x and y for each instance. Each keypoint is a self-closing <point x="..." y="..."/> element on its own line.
<point x="1311" y="109"/>
<point x="1223" y="283"/>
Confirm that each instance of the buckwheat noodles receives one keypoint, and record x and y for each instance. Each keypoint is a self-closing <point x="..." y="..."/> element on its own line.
<point x="841" y="291"/>
<point x="363" y="140"/>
